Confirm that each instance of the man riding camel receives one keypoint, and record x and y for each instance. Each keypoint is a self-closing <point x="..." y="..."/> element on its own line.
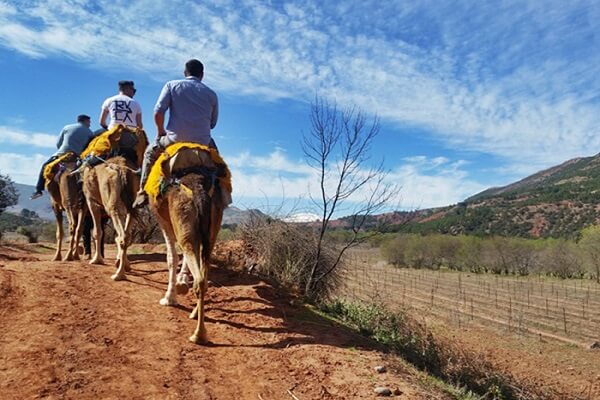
<point x="74" y="138"/>
<point x="122" y="108"/>
<point x="193" y="112"/>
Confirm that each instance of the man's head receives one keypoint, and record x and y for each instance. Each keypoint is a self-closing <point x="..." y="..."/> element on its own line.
<point x="84" y="119"/>
<point x="127" y="88"/>
<point x="194" y="68"/>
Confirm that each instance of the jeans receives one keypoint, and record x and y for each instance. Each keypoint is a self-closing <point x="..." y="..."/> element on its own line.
<point x="41" y="183"/>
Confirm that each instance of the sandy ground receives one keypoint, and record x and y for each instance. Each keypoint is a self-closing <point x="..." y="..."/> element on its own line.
<point x="68" y="332"/>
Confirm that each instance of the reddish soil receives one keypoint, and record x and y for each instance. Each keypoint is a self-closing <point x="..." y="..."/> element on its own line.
<point x="68" y="331"/>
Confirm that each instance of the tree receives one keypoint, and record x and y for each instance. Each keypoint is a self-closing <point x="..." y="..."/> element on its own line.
<point x="590" y="244"/>
<point x="337" y="146"/>
<point x="8" y="193"/>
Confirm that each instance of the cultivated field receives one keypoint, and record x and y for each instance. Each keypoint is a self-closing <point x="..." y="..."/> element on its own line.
<point x="515" y="316"/>
<point x="565" y="310"/>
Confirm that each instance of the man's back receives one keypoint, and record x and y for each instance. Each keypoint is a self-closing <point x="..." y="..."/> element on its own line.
<point x="74" y="138"/>
<point x="193" y="109"/>
<point x="123" y="110"/>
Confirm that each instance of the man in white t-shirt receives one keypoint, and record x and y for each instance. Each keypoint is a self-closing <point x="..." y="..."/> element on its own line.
<point x="122" y="108"/>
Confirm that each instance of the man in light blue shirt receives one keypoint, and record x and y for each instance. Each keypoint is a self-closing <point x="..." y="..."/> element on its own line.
<point x="75" y="138"/>
<point x="193" y="112"/>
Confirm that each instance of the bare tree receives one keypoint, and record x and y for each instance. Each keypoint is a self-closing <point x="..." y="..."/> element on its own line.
<point x="337" y="147"/>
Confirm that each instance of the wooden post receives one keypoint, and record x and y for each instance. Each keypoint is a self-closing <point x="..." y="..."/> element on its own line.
<point x="565" y="319"/>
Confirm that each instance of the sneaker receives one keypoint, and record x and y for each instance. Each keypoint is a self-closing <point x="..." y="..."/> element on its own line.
<point x="140" y="200"/>
<point x="36" y="195"/>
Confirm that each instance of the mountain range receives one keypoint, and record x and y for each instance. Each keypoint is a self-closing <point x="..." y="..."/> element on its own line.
<point x="556" y="202"/>
<point x="41" y="206"/>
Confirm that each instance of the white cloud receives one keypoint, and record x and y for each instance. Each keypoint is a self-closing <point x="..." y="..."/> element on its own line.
<point x="22" y="168"/>
<point x="17" y="136"/>
<point x="424" y="182"/>
<point x="513" y="79"/>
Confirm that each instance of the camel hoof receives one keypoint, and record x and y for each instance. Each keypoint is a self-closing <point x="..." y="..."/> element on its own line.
<point x="181" y="288"/>
<point x="68" y="258"/>
<point x="97" y="261"/>
<point x="118" y="277"/>
<point x="198" y="339"/>
<point x="127" y="268"/>
<point x="56" y="258"/>
<point x="165" y="301"/>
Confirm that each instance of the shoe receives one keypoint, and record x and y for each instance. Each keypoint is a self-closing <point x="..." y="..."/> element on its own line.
<point x="140" y="200"/>
<point x="36" y="195"/>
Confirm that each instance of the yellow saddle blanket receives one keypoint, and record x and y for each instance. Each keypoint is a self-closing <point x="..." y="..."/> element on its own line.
<point x="51" y="169"/>
<point x="179" y="156"/>
<point x="103" y="144"/>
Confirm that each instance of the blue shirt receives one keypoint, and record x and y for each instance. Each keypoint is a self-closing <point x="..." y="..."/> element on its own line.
<point x="75" y="138"/>
<point x="193" y="110"/>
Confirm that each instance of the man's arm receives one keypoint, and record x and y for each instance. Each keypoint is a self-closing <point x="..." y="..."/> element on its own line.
<point x="138" y="120"/>
<point x="162" y="105"/>
<point x="103" y="116"/>
<point x="215" y="114"/>
<point x="60" y="139"/>
<point x="159" y="121"/>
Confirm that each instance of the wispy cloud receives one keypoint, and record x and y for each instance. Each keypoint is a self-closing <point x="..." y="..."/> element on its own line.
<point x="17" y="136"/>
<point x="423" y="181"/>
<point x="22" y="168"/>
<point x="515" y="79"/>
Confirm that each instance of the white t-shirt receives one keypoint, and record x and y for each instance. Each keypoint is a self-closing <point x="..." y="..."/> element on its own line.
<point x="122" y="110"/>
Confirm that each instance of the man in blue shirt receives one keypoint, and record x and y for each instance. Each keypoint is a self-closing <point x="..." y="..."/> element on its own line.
<point x="75" y="138"/>
<point x="193" y="112"/>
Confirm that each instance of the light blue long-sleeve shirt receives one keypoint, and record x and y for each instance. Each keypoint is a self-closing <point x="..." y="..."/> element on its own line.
<point x="193" y="110"/>
<point x="74" y="137"/>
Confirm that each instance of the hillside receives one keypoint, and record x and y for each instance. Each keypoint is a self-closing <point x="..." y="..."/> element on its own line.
<point x="556" y="202"/>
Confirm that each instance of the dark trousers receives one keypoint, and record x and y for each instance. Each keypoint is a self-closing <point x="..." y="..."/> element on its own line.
<point x="88" y="224"/>
<point x="41" y="183"/>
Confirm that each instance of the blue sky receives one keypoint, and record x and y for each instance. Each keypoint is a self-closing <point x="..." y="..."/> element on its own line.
<point x="470" y="94"/>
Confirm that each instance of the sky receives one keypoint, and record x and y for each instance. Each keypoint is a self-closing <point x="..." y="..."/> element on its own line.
<point x="469" y="94"/>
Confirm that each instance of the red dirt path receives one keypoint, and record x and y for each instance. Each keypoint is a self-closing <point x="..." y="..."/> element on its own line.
<point x="68" y="331"/>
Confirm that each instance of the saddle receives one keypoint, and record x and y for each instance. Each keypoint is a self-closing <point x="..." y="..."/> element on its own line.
<point x="117" y="141"/>
<point x="56" y="167"/>
<point x="180" y="159"/>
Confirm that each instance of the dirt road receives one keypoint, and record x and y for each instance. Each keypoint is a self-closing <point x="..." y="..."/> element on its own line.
<point x="68" y="331"/>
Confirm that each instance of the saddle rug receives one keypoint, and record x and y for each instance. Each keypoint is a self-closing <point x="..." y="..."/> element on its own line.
<point x="182" y="156"/>
<point x="110" y="141"/>
<point x="52" y="168"/>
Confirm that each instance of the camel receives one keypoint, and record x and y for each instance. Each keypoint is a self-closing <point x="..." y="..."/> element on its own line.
<point x="190" y="215"/>
<point x="111" y="186"/>
<point x="65" y="195"/>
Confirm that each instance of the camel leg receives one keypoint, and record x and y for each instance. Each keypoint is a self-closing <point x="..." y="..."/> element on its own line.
<point x="96" y="213"/>
<point x="78" y="232"/>
<point x="199" y="269"/>
<point x="59" y="232"/>
<point x="118" y="218"/>
<point x="127" y="241"/>
<point x="181" y="283"/>
<point x="71" y="219"/>
<point x="170" y="297"/>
